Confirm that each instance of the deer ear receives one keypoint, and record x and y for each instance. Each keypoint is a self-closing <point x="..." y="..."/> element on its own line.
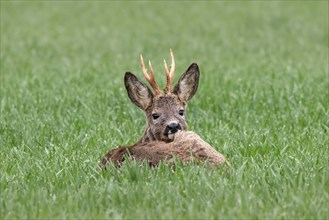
<point x="138" y="92"/>
<point x="188" y="83"/>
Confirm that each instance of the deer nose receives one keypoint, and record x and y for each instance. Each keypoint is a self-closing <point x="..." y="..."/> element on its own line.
<point x="173" y="127"/>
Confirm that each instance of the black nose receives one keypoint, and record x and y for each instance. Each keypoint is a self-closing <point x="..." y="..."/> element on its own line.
<point x="173" y="127"/>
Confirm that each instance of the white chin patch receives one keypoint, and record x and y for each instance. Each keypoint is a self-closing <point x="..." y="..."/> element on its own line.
<point x="171" y="136"/>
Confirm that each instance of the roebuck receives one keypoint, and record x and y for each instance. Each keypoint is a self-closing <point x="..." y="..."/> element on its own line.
<point x="166" y="136"/>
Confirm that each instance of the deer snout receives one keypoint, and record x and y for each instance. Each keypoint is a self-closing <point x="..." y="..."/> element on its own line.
<point x="173" y="127"/>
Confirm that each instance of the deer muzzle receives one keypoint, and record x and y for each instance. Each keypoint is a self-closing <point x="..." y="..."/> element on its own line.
<point x="171" y="129"/>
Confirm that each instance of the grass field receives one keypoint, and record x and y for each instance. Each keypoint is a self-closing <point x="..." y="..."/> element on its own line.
<point x="262" y="102"/>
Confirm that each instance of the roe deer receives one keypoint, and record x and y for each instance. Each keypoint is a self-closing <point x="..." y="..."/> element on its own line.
<point x="166" y="136"/>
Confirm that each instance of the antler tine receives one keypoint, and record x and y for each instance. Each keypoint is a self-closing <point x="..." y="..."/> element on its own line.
<point x="149" y="78"/>
<point x="169" y="75"/>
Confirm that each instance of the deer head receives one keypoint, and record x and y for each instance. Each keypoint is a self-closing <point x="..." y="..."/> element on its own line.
<point x="165" y="112"/>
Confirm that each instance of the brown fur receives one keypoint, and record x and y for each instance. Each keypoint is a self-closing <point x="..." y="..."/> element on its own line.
<point x="186" y="147"/>
<point x="161" y="141"/>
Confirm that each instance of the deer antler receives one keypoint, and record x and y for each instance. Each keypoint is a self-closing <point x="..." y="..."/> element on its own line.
<point x="169" y="75"/>
<point x="149" y="78"/>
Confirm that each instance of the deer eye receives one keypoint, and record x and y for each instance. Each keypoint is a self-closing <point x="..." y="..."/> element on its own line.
<point x="155" y="116"/>
<point x="181" y="112"/>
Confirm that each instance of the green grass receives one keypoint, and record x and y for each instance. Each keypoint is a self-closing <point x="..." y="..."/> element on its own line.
<point x="262" y="102"/>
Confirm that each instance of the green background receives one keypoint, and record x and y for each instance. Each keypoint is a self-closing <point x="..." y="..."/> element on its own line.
<point x="262" y="102"/>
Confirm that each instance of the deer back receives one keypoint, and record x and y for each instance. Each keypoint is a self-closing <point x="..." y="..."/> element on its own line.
<point x="187" y="147"/>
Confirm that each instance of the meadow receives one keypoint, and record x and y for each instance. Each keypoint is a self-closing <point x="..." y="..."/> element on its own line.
<point x="263" y="102"/>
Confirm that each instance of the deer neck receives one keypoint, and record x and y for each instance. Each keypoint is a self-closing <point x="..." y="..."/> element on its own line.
<point x="147" y="137"/>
